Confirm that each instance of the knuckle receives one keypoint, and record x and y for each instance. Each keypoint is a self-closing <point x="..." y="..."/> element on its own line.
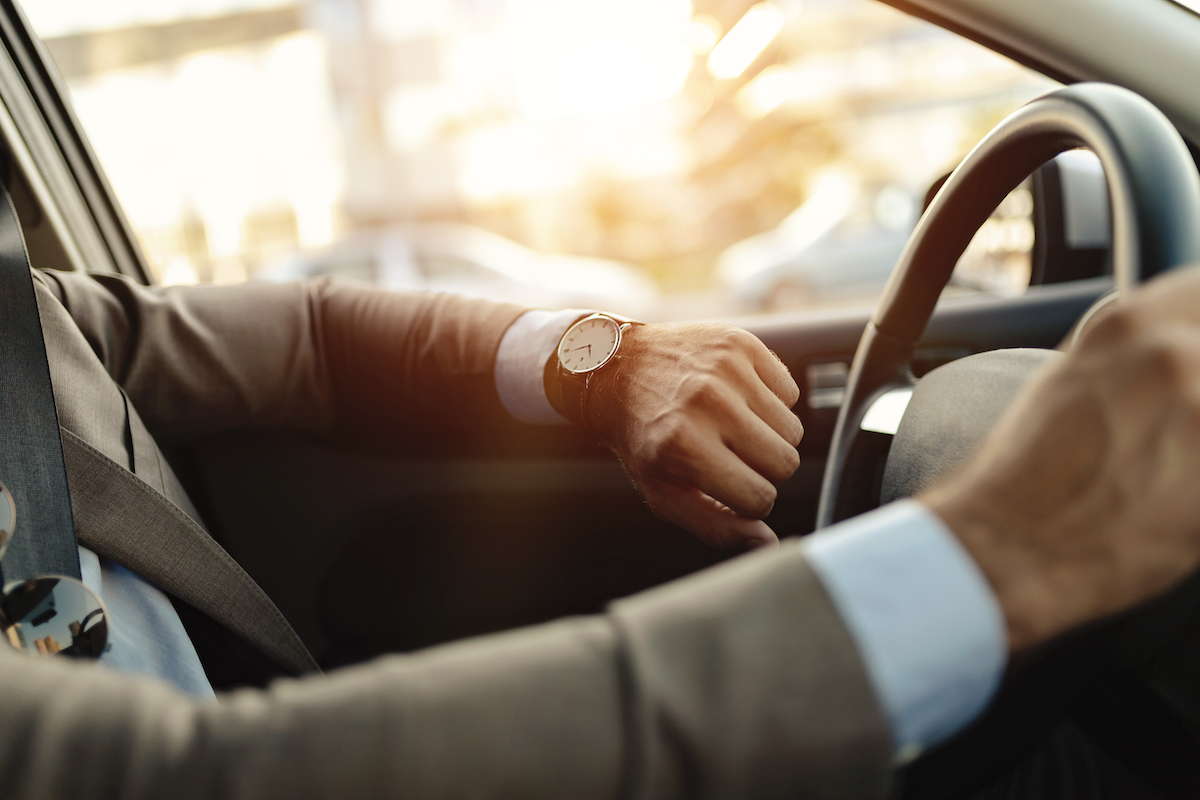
<point x="791" y="389"/>
<point x="1117" y="323"/>
<point x="674" y="446"/>
<point x="737" y="337"/>
<point x="665" y="438"/>
<point x="1168" y="363"/>
<point x="797" y="434"/>
<point x="761" y="501"/>
<point x="701" y="390"/>
<point x="727" y="351"/>
<point x="784" y="466"/>
<point x="725" y="360"/>
<point x="790" y="392"/>
<point x="792" y="461"/>
<point x="735" y="343"/>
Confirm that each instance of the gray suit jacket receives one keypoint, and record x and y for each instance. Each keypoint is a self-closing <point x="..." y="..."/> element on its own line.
<point x="737" y="682"/>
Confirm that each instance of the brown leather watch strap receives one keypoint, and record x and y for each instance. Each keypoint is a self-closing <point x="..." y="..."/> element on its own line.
<point x="568" y="392"/>
<point x="574" y="392"/>
<point x="553" y="385"/>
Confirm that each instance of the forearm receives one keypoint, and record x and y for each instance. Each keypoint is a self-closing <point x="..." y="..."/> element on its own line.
<point x="740" y="681"/>
<point x="402" y="363"/>
<point x="461" y="721"/>
<point x="316" y="356"/>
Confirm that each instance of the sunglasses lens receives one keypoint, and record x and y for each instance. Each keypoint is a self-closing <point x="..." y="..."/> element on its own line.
<point x="54" y="617"/>
<point x="8" y="518"/>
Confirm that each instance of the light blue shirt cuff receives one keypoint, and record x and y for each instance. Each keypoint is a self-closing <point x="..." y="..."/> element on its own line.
<point x="521" y="363"/>
<point x="930" y="631"/>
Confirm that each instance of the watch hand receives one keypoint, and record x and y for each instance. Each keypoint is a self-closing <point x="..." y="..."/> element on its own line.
<point x="587" y="346"/>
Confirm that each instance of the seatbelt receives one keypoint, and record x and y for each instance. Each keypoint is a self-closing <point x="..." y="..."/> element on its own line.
<point x="31" y="451"/>
<point x="202" y="573"/>
<point x="33" y="467"/>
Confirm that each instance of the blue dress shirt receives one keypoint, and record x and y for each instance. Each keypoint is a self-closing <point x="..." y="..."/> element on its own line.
<point x="145" y="635"/>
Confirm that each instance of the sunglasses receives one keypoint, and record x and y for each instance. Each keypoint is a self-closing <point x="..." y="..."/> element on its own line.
<point x="51" y="615"/>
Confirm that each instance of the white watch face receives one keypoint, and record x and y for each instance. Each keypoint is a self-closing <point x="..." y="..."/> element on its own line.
<point x="588" y="344"/>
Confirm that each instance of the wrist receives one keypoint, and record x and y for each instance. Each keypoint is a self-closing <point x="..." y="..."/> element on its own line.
<point x="605" y="402"/>
<point x="587" y="357"/>
<point x="998" y="537"/>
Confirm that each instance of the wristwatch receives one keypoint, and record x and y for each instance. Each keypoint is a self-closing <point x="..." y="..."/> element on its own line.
<point x="587" y="347"/>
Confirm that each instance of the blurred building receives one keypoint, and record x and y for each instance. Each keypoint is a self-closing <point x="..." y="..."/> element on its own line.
<point x="656" y="132"/>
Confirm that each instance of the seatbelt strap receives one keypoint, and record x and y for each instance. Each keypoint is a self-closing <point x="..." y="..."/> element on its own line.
<point x="162" y="541"/>
<point x="33" y="467"/>
<point x="31" y="452"/>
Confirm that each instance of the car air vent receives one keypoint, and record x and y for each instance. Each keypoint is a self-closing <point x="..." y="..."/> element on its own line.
<point x="826" y="384"/>
<point x="826" y="380"/>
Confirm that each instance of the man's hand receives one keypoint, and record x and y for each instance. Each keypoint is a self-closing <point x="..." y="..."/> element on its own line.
<point x="700" y="416"/>
<point x="1083" y="501"/>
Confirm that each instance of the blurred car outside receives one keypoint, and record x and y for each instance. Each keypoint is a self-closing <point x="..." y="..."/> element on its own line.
<point x="840" y="245"/>
<point x="463" y="259"/>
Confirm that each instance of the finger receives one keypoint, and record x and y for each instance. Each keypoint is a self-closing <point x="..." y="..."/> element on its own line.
<point x="708" y="520"/>
<point x="767" y="406"/>
<point x="769" y="449"/>
<point x="774" y="373"/>
<point x="761" y="447"/>
<point x="707" y="463"/>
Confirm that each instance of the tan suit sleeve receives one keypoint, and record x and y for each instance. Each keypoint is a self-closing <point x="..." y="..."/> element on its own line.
<point x="320" y="356"/>
<point x="738" y="682"/>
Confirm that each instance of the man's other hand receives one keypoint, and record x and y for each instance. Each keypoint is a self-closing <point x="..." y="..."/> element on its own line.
<point x="1083" y="501"/>
<point x="700" y="414"/>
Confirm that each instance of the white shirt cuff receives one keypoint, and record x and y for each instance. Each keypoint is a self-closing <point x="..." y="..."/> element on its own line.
<point x="930" y="630"/>
<point x="521" y="363"/>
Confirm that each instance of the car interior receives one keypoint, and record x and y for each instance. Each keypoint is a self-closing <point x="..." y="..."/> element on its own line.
<point x="464" y="531"/>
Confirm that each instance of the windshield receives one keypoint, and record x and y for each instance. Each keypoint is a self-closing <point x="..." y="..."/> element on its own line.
<point x="661" y="158"/>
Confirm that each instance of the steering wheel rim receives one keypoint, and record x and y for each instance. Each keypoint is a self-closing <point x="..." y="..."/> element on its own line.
<point x="1154" y="192"/>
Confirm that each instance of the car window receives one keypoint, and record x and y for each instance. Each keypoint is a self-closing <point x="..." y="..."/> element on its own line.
<point x="662" y="158"/>
<point x="441" y="265"/>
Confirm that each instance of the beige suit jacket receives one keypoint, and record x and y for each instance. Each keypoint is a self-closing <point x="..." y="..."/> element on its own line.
<point x="737" y="682"/>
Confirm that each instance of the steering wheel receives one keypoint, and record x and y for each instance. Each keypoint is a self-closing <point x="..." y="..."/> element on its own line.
<point x="1154" y="191"/>
<point x="1155" y="196"/>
